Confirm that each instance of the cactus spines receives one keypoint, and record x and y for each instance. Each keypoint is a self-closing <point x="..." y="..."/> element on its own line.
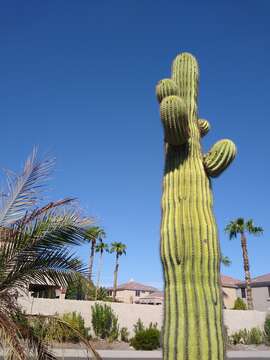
<point x="174" y="117"/>
<point x="219" y="157"/>
<point x="190" y="254"/>
<point x="166" y="87"/>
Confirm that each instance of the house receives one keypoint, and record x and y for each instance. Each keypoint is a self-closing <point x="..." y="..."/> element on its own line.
<point x="260" y="292"/>
<point x="132" y="291"/>
<point x="229" y="290"/>
<point x="154" y="298"/>
<point x="46" y="291"/>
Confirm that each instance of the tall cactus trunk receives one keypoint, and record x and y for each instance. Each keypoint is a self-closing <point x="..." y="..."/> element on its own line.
<point x="193" y="326"/>
<point x="247" y="272"/>
<point x="190" y="256"/>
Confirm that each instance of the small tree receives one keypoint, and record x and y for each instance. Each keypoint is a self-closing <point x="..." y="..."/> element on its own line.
<point x="104" y="322"/>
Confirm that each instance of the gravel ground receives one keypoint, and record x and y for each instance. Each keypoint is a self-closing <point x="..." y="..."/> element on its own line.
<point x="241" y="347"/>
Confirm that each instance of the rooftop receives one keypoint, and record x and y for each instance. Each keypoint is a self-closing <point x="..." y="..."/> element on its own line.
<point x="258" y="281"/>
<point x="228" y="281"/>
<point x="132" y="285"/>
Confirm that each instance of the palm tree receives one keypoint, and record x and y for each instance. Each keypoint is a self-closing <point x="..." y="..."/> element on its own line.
<point x="34" y="246"/>
<point x="225" y="261"/>
<point x="101" y="248"/>
<point x="120" y="249"/>
<point x="92" y="235"/>
<point x="239" y="226"/>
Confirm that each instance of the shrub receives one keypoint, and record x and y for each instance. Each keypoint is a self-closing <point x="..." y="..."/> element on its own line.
<point x="77" y="322"/>
<point x="239" y="337"/>
<point x="148" y="339"/>
<point x="253" y="336"/>
<point x="105" y="322"/>
<point x="267" y="330"/>
<point x="49" y="329"/>
<point x="138" y="326"/>
<point x="239" y="304"/>
<point x="124" y="334"/>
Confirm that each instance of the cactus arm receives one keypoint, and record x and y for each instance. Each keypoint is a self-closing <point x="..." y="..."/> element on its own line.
<point x="175" y="120"/>
<point x="204" y="126"/>
<point x="219" y="157"/>
<point x="166" y="87"/>
<point x="173" y="112"/>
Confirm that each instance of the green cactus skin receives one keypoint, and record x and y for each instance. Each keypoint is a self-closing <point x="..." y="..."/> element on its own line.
<point x="219" y="157"/>
<point x="190" y="254"/>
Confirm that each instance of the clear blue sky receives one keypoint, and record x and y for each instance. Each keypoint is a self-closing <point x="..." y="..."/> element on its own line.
<point x="78" y="79"/>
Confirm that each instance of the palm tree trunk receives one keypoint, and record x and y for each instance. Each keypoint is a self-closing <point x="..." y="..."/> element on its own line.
<point x="99" y="272"/>
<point x="91" y="260"/>
<point x="247" y="271"/>
<point x="115" y="278"/>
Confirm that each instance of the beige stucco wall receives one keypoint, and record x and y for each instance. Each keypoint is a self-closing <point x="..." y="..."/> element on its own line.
<point x="128" y="314"/>
<point x="236" y="320"/>
<point x="229" y="297"/>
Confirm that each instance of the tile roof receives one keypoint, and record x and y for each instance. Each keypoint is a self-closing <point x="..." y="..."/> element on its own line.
<point x="258" y="281"/>
<point x="132" y="285"/>
<point x="228" y="281"/>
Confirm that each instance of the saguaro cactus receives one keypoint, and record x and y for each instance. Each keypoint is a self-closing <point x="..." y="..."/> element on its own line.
<point x="190" y="253"/>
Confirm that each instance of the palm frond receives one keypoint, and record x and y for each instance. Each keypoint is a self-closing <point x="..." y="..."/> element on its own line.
<point x="119" y="248"/>
<point x="10" y="336"/>
<point x="225" y="260"/>
<point x="24" y="190"/>
<point x="252" y="229"/>
<point x="42" y="251"/>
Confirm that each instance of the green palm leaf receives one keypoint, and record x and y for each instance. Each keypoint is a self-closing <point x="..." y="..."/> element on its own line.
<point x="24" y="190"/>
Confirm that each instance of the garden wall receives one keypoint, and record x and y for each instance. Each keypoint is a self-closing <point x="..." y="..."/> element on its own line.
<point x="128" y="314"/>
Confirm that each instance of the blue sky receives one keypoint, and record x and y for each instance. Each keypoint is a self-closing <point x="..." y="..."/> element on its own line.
<point x="78" y="79"/>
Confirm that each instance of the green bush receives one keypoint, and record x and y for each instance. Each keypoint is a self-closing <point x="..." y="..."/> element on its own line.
<point x="124" y="334"/>
<point x="49" y="329"/>
<point x="148" y="339"/>
<point x="267" y="330"/>
<point x="138" y="326"/>
<point x="239" y="304"/>
<point x="77" y="322"/>
<point x="105" y="322"/>
<point x="239" y="337"/>
<point x="145" y="338"/>
<point x="253" y="336"/>
<point x="256" y="336"/>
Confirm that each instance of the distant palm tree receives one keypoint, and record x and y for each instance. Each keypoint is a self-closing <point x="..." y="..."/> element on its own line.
<point x="239" y="226"/>
<point x="92" y="235"/>
<point x="120" y="249"/>
<point x="101" y="248"/>
<point x="225" y="261"/>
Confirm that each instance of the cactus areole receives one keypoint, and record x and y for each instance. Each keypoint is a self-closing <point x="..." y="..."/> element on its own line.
<point x="190" y="254"/>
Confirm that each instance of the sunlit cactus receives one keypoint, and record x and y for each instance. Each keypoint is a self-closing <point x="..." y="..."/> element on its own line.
<point x="193" y="327"/>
